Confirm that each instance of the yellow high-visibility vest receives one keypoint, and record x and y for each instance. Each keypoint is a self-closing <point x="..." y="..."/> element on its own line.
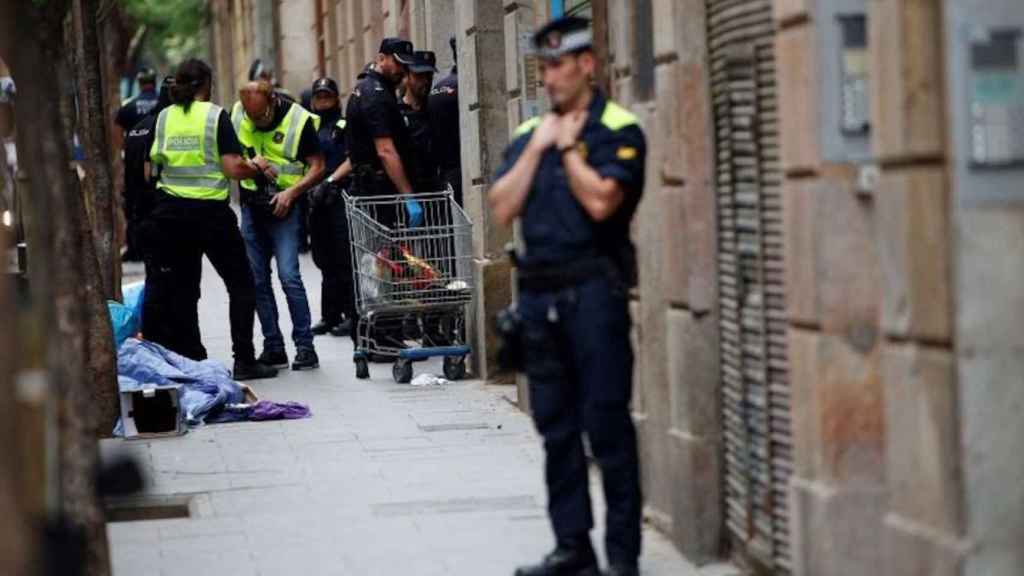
<point x="279" y="146"/>
<point x="185" y="148"/>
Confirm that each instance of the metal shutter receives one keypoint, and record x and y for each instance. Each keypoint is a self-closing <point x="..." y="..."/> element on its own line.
<point x="755" y="383"/>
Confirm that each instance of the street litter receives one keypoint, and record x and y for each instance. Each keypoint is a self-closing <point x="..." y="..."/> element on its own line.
<point x="429" y="380"/>
<point x="205" y="389"/>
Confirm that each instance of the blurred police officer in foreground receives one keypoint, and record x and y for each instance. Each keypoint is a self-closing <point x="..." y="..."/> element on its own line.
<point x="424" y="173"/>
<point x="574" y="178"/>
<point x="138" y="190"/>
<point x="327" y="220"/>
<point x="443" y="107"/>
<point x="195" y="151"/>
<point x="285" y="134"/>
<point x="134" y="110"/>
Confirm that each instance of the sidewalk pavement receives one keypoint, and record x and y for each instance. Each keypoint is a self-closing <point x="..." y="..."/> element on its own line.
<point x="384" y="479"/>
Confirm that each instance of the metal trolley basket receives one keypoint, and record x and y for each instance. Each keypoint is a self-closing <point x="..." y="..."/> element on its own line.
<point x="412" y="281"/>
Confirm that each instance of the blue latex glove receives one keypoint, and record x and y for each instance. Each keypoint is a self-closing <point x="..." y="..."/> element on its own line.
<point x="415" y="212"/>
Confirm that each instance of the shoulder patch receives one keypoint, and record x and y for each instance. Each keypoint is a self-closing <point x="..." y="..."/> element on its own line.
<point x="616" y="117"/>
<point x="526" y="127"/>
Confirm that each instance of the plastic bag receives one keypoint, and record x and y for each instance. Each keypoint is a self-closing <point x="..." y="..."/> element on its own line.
<point x="124" y="322"/>
<point x="133" y="295"/>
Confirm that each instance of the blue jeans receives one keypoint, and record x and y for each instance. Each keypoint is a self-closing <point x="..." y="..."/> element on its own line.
<point x="266" y="237"/>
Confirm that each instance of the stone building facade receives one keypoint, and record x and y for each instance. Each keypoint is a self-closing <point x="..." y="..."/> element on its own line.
<point x="827" y="324"/>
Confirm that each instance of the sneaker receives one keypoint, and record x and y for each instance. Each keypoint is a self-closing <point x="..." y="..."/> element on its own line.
<point x="252" y="371"/>
<point x="323" y="327"/>
<point x="306" y="360"/>
<point x="274" y="358"/>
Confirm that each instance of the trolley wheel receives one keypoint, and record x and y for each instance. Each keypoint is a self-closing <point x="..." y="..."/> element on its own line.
<point x="402" y="371"/>
<point x="362" y="369"/>
<point x="455" y="367"/>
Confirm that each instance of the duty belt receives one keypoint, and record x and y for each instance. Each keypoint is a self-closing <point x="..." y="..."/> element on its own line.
<point x="555" y="277"/>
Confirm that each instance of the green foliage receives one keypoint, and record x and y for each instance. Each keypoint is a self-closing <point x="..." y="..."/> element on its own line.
<point x="175" y="29"/>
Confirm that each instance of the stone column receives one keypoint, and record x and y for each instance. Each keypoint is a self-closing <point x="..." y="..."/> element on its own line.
<point x="439" y="26"/>
<point x="838" y="491"/>
<point x="357" y="57"/>
<point x="683" y="234"/>
<point x="484" y="132"/>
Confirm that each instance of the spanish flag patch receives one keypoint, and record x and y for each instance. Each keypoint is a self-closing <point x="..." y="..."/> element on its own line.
<point x="626" y="153"/>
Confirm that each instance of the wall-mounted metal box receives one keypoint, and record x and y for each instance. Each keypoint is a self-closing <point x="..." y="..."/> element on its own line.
<point x="844" y="67"/>
<point x="985" y="72"/>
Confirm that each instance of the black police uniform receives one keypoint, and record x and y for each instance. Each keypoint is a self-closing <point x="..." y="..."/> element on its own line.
<point x="373" y="112"/>
<point x="424" y="173"/>
<point x="329" y="228"/>
<point x="574" y="278"/>
<point x="138" y="192"/>
<point x="177" y="233"/>
<point x="134" y="110"/>
<point x="443" y="109"/>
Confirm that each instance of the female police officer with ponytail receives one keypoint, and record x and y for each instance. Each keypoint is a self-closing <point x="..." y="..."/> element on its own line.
<point x="574" y="179"/>
<point x="195" y="151"/>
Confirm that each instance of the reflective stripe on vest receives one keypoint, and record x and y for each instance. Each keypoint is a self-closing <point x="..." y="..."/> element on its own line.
<point x="185" y="146"/>
<point x="283" y="154"/>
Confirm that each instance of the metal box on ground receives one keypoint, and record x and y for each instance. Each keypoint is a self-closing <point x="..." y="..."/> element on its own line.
<point x="152" y="412"/>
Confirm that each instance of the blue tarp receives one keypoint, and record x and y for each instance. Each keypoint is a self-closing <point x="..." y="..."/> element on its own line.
<point x="206" y="387"/>
<point x="126" y="318"/>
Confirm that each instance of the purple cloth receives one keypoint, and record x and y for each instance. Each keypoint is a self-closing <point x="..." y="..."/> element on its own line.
<point x="261" y="411"/>
<point x="279" y="411"/>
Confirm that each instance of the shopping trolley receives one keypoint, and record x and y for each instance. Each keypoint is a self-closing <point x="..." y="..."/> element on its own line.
<point x="412" y="274"/>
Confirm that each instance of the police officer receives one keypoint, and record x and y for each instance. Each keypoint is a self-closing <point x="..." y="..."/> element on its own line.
<point x="195" y="151"/>
<point x="574" y="178"/>
<point x="328" y="223"/>
<point x="377" y="139"/>
<point x="134" y="110"/>
<point x="379" y="147"/>
<point x="138" y="190"/>
<point x="416" y="91"/>
<point x="443" y="108"/>
<point x="286" y="135"/>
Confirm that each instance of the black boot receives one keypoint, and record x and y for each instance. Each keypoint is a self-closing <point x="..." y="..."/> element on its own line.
<point x="622" y="570"/>
<point x="344" y="328"/>
<point x="566" y="560"/>
<point x="274" y="358"/>
<point x="323" y="327"/>
<point x="306" y="359"/>
<point x="252" y="370"/>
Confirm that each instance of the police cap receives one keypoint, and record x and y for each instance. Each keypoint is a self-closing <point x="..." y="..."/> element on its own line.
<point x="400" y="49"/>
<point x="562" y="36"/>
<point x="325" y="84"/>
<point x="424" y="62"/>
<point x="146" y="76"/>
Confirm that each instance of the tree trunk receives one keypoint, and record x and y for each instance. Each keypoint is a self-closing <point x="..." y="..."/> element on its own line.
<point x="114" y="40"/>
<point x="100" y="187"/>
<point x="100" y="252"/>
<point x="58" y="264"/>
<point x="15" y="554"/>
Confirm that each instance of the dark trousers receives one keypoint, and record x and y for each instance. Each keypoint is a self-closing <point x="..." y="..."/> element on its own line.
<point x="137" y="204"/>
<point x="580" y="367"/>
<point x="177" y="234"/>
<point x="332" y="254"/>
<point x="453" y="178"/>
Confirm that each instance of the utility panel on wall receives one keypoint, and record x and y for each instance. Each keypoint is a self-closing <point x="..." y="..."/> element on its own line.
<point x="844" y="69"/>
<point x="985" y="70"/>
